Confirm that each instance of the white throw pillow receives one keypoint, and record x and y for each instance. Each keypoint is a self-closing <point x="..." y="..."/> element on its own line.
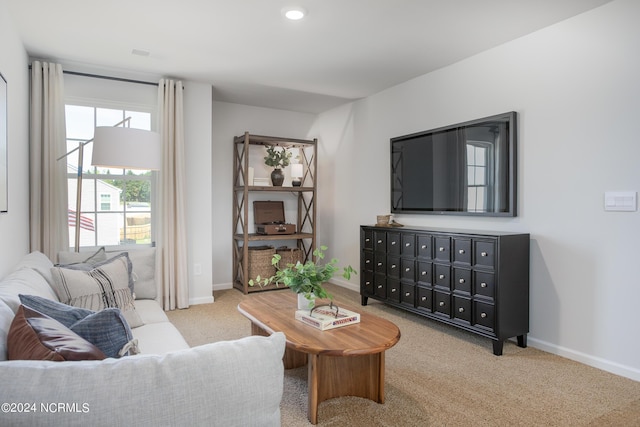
<point x="104" y="286"/>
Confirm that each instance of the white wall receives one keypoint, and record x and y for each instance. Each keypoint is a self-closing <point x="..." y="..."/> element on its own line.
<point x="231" y="120"/>
<point x="575" y="86"/>
<point x="14" y="225"/>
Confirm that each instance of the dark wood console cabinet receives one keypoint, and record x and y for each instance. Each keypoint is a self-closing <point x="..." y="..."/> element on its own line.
<point x="477" y="281"/>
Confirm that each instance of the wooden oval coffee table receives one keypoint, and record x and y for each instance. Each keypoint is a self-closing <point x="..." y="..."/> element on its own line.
<point x="346" y="361"/>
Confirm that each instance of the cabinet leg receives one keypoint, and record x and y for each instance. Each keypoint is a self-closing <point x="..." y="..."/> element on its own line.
<point x="497" y="347"/>
<point x="522" y="341"/>
<point x="363" y="300"/>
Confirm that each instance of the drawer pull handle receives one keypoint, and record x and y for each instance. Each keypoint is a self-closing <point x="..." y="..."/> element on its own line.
<point x="379" y="241"/>
<point x="407" y="294"/>
<point x="379" y="264"/>
<point x="442" y="276"/>
<point x="461" y="251"/>
<point x="441" y="249"/>
<point x="461" y="280"/>
<point x="367" y="262"/>
<point x="367" y="283"/>
<point x="393" y="243"/>
<point x="461" y="310"/>
<point x="393" y="266"/>
<point x="367" y="239"/>
<point x="484" y="254"/>
<point x="393" y="290"/>
<point x="379" y="286"/>
<point x="441" y="304"/>
<point x="407" y="244"/>
<point x="407" y="269"/>
<point x="423" y="247"/>
<point x="424" y="298"/>
<point x="483" y="315"/>
<point x="483" y="285"/>
<point x="424" y="273"/>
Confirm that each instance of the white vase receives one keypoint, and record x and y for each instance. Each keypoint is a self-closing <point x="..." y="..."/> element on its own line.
<point x="304" y="303"/>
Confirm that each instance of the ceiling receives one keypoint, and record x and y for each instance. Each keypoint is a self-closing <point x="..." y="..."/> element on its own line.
<point x="341" y="51"/>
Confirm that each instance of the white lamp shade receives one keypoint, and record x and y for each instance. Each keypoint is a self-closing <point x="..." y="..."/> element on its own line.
<point x="296" y="170"/>
<point x="126" y="148"/>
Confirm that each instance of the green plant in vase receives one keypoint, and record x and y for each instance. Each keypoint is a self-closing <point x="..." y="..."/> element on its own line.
<point x="306" y="279"/>
<point x="277" y="159"/>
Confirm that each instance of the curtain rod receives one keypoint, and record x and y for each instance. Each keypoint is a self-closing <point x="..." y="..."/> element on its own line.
<point x="97" y="76"/>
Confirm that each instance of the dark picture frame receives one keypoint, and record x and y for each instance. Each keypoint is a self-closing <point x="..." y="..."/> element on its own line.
<point x="4" y="172"/>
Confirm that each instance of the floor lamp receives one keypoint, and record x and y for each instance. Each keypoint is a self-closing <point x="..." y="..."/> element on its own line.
<point x="117" y="147"/>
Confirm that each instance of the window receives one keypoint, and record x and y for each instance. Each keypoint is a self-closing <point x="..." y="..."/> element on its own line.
<point x="478" y="176"/>
<point x="116" y="206"/>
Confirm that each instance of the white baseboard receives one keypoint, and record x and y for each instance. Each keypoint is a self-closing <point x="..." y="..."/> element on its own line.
<point x="201" y="300"/>
<point x="222" y="286"/>
<point x="587" y="359"/>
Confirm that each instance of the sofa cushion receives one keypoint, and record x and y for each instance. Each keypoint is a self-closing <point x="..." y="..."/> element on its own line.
<point x="35" y="336"/>
<point x="38" y="262"/>
<point x="24" y="281"/>
<point x="97" y="289"/>
<point x="107" y="329"/>
<point x="6" y="317"/>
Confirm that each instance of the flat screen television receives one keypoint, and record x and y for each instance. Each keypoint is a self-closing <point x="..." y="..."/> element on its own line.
<point x="464" y="169"/>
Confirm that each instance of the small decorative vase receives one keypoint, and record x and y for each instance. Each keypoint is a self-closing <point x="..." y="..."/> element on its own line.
<point x="304" y="303"/>
<point x="277" y="177"/>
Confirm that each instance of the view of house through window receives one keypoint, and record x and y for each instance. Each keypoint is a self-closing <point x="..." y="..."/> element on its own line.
<point x="116" y="206"/>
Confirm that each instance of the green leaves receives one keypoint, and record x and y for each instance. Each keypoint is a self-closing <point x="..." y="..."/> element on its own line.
<point x="277" y="158"/>
<point x="305" y="278"/>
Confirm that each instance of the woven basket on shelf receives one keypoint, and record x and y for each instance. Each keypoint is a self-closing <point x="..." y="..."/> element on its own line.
<point x="260" y="262"/>
<point x="289" y="256"/>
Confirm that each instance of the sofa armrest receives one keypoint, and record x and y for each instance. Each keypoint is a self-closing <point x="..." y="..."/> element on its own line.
<point x="220" y="384"/>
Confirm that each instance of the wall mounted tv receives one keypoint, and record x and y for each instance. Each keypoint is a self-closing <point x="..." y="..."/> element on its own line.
<point x="463" y="169"/>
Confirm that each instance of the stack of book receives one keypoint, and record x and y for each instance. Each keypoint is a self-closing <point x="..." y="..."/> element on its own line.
<point x="324" y="318"/>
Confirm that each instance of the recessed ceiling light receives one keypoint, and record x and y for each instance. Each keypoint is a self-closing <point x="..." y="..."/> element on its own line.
<point x="294" y="13"/>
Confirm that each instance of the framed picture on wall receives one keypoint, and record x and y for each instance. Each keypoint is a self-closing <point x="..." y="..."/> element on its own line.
<point x="4" y="190"/>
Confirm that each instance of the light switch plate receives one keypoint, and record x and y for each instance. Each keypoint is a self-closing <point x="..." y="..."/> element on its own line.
<point x="624" y="201"/>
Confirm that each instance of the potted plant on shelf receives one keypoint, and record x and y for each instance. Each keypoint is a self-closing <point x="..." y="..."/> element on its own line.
<point x="305" y="279"/>
<point x="277" y="159"/>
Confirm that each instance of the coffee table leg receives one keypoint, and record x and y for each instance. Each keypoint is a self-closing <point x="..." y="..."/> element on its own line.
<point x="334" y="376"/>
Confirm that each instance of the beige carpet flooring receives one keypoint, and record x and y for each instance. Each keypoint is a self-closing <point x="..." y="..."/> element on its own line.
<point x="439" y="376"/>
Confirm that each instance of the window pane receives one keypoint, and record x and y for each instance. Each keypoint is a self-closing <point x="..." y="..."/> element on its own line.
<point x="139" y="120"/>
<point x="79" y="122"/>
<point x="109" y="226"/>
<point x="108" y="117"/>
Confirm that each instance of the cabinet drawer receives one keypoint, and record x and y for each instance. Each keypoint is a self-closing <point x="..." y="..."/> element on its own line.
<point x="425" y="272"/>
<point x="366" y="284"/>
<point x="462" y="251"/>
<point x="367" y="261"/>
<point x="484" y="284"/>
<point x="380" y="263"/>
<point x="380" y="285"/>
<point x="367" y="240"/>
<point x="380" y="241"/>
<point x="408" y="294"/>
<point x="442" y="249"/>
<point x="462" y="281"/>
<point x="408" y="245"/>
<point x="485" y="254"/>
<point x="393" y="267"/>
<point x="408" y="269"/>
<point x="393" y="290"/>
<point x="393" y="243"/>
<point x="442" y="303"/>
<point x="424" y="246"/>
<point x="424" y="299"/>
<point x="462" y="309"/>
<point x="442" y="275"/>
<point x="483" y="315"/>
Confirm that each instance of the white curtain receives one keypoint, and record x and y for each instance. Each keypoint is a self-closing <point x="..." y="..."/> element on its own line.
<point x="49" y="227"/>
<point x="172" y="240"/>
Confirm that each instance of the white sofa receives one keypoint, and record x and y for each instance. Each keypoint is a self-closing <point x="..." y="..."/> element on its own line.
<point x="228" y="383"/>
